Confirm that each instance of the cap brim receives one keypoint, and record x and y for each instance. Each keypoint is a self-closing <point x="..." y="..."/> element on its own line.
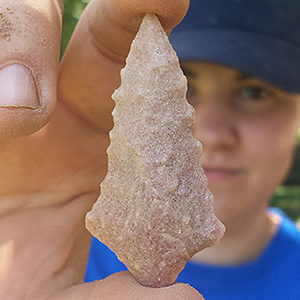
<point x="268" y="58"/>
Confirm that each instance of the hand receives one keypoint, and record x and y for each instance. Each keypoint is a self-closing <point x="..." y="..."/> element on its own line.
<point x="50" y="174"/>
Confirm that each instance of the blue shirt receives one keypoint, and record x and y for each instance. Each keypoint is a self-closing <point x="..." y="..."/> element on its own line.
<point x="275" y="274"/>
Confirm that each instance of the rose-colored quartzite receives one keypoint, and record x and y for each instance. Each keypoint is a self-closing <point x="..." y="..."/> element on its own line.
<point x="155" y="210"/>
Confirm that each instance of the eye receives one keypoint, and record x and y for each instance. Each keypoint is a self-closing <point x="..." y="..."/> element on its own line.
<point x="250" y="99"/>
<point x="254" y="93"/>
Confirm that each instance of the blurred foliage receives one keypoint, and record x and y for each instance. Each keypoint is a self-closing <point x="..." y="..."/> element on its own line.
<point x="72" y="11"/>
<point x="287" y="197"/>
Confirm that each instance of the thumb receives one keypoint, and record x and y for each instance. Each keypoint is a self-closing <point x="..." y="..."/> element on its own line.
<point x="29" y="57"/>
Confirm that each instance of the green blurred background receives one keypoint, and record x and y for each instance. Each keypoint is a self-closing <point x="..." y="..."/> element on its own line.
<point x="287" y="196"/>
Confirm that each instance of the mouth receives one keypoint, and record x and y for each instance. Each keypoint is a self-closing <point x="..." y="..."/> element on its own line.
<point x="219" y="174"/>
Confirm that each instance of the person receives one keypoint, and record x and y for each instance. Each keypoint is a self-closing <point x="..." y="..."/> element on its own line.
<point x="52" y="156"/>
<point x="242" y="61"/>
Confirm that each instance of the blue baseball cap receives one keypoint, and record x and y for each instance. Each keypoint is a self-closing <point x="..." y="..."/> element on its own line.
<point x="258" y="37"/>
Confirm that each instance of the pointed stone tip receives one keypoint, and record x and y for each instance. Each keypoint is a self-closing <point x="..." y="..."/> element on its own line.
<point x="151" y="47"/>
<point x="151" y="18"/>
<point x="151" y="23"/>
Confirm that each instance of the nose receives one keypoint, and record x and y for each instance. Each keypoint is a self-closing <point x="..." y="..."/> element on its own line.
<point x="215" y="125"/>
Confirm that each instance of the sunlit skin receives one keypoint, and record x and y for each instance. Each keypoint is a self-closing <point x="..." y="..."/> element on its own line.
<point x="50" y="179"/>
<point x="249" y="131"/>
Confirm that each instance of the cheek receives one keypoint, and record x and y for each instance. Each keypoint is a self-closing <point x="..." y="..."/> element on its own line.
<point x="265" y="154"/>
<point x="269" y="144"/>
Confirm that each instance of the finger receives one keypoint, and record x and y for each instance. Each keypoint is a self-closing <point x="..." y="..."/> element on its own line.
<point x="124" y="286"/>
<point x="29" y="56"/>
<point x="114" y="23"/>
<point x="97" y="51"/>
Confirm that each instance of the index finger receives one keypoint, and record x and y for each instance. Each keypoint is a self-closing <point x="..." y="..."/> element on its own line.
<point x="114" y="23"/>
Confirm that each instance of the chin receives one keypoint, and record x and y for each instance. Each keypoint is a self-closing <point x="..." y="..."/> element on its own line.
<point x="229" y="208"/>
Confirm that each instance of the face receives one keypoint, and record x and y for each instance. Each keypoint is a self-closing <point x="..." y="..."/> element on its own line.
<point x="248" y="130"/>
